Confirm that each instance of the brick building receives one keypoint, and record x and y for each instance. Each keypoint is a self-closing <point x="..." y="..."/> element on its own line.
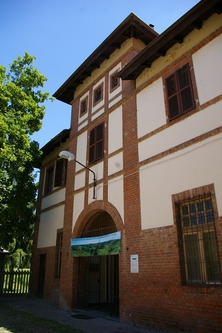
<point x="146" y="134"/>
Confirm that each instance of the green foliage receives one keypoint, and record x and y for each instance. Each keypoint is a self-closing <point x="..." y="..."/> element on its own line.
<point x="97" y="249"/>
<point x="21" y="114"/>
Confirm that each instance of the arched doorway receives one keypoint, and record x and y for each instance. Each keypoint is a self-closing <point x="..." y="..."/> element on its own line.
<point x="98" y="280"/>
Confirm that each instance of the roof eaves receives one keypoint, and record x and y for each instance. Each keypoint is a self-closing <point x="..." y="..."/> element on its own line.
<point x="175" y="33"/>
<point x="66" y="92"/>
<point x="55" y="142"/>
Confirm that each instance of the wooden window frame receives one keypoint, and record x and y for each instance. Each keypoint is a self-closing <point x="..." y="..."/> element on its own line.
<point x="114" y="81"/>
<point x="96" y="143"/>
<point x="49" y="180"/>
<point x="83" y="106"/>
<point x="179" y="92"/>
<point x="60" y="172"/>
<point x="98" y="94"/>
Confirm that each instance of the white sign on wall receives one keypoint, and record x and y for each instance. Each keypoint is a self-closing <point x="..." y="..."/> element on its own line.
<point x="134" y="263"/>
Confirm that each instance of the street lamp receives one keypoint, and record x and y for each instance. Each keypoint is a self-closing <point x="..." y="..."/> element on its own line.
<point x="70" y="157"/>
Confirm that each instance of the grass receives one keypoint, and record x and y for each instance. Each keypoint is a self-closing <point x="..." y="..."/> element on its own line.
<point x="15" y="321"/>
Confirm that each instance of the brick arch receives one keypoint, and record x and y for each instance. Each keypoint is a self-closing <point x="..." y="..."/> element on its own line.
<point x="92" y="209"/>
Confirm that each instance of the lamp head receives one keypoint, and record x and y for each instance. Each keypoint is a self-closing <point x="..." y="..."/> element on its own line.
<point x="67" y="155"/>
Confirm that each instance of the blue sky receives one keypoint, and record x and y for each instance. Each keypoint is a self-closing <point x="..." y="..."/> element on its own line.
<point x="63" y="33"/>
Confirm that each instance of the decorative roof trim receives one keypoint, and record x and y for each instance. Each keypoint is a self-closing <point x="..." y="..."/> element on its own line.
<point x="193" y="19"/>
<point x="132" y="26"/>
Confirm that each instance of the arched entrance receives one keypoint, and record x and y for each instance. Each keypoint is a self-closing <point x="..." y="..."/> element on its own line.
<point x="98" y="280"/>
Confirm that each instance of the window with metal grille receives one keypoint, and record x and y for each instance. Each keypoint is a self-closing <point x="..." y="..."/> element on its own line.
<point x="180" y="92"/>
<point x="49" y="180"/>
<point x="96" y="143"/>
<point x="198" y="242"/>
<point x="58" y="258"/>
<point x="60" y="172"/>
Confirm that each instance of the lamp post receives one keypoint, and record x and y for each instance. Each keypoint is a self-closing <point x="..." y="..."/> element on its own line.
<point x="70" y="157"/>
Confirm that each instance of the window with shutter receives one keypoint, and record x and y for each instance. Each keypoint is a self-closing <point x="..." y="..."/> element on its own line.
<point x="60" y="172"/>
<point x="96" y="143"/>
<point x="180" y="92"/>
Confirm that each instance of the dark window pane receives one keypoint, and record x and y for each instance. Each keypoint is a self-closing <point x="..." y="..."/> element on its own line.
<point x="185" y="210"/>
<point x="193" y="220"/>
<point x="92" y="137"/>
<point x="99" y="132"/>
<point x="186" y="221"/>
<point x="91" y="154"/>
<point x="173" y="105"/>
<point x="200" y="206"/>
<point x="99" y="149"/>
<point x="171" y="85"/>
<point x="192" y="208"/>
<point x="201" y="218"/>
<point x="208" y="204"/>
<point x="49" y="180"/>
<point x="211" y="257"/>
<point x="183" y="77"/>
<point x="192" y="258"/>
<point x="60" y="173"/>
<point x="186" y="99"/>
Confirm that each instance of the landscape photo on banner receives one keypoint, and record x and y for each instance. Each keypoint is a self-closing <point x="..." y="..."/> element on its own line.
<point x="96" y="246"/>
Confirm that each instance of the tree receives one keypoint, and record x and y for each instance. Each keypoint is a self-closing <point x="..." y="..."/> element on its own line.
<point x="21" y="114"/>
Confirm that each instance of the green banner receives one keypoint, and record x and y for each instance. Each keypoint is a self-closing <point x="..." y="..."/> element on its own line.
<point x="96" y="246"/>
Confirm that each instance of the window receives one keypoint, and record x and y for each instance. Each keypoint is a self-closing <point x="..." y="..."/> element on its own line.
<point x="198" y="242"/>
<point x="49" y="180"/>
<point x="114" y="82"/>
<point x="98" y="94"/>
<point x="83" y="107"/>
<point x="96" y="143"/>
<point x="179" y="92"/>
<point x="58" y="258"/>
<point x="60" y="172"/>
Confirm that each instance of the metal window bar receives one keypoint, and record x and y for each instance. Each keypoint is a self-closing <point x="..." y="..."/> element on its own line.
<point x="198" y="243"/>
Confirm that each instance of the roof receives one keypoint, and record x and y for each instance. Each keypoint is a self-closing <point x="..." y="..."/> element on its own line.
<point x="55" y="142"/>
<point x="132" y="26"/>
<point x="193" y="19"/>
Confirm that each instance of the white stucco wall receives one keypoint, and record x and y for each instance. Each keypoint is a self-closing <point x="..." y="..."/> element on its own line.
<point x="208" y="70"/>
<point x="115" y="194"/>
<point x="81" y="150"/>
<point x="77" y="206"/>
<point x="150" y="108"/>
<point x="115" y="163"/>
<point x="53" y="198"/>
<point x="80" y="180"/>
<point x="189" y="168"/>
<point x="115" y="136"/>
<point x="50" y="221"/>
<point x="191" y="127"/>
